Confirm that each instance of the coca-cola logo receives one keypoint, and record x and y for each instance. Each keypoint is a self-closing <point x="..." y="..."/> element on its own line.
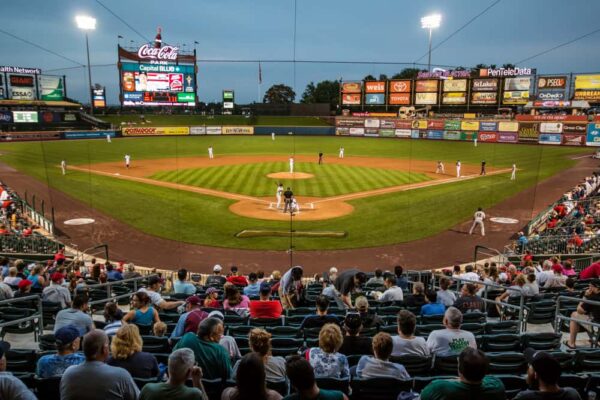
<point x="167" y="53"/>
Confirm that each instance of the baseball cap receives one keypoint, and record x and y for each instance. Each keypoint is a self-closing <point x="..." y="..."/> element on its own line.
<point x="210" y="291"/>
<point x="217" y="268"/>
<point x="57" y="276"/>
<point x="193" y="300"/>
<point x="544" y="364"/>
<point x="353" y="321"/>
<point x="24" y="283"/>
<point x="216" y="314"/>
<point x="4" y="347"/>
<point x="66" y="334"/>
<point x="265" y="287"/>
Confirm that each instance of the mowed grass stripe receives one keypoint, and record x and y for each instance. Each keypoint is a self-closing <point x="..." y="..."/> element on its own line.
<point x="251" y="178"/>
<point x="364" y="179"/>
<point x="234" y="180"/>
<point x="188" y="175"/>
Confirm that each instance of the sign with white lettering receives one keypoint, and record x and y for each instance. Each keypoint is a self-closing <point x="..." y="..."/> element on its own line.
<point x="165" y="53"/>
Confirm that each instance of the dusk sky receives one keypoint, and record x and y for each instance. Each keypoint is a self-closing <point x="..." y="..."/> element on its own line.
<point x="329" y="30"/>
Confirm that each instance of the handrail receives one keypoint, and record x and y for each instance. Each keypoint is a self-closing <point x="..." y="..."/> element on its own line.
<point x="559" y="317"/>
<point x="109" y="285"/>
<point x="39" y="315"/>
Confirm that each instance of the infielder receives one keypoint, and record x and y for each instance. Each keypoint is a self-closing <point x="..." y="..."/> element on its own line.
<point x="440" y="168"/>
<point x="278" y="194"/>
<point x="291" y="165"/>
<point x="127" y="160"/>
<point x="210" y="153"/>
<point x="458" y="169"/>
<point x="513" y="175"/>
<point x="341" y="155"/>
<point x="482" y="168"/>
<point x="273" y="136"/>
<point x="320" y="158"/>
<point x="63" y="166"/>
<point x="478" y="218"/>
<point x="108" y="138"/>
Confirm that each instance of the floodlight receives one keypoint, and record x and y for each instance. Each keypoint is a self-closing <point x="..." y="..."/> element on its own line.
<point x="86" y="23"/>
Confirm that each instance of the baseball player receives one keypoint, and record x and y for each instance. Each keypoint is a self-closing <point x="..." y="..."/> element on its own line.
<point x="440" y="168"/>
<point x="294" y="206"/>
<point x="210" y="152"/>
<point x="478" y="218"/>
<point x="278" y="194"/>
<point x="341" y="155"/>
<point x="458" y="169"/>
<point x="475" y="140"/>
<point x="127" y="160"/>
<point x="482" y="168"/>
<point x="291" y="165"/>
<point x="287" y="196"/>
<point x="273" y="136"/>
<point x="108" y="138"/>
<point x="513" y="174"/>
<point x="63" y="167"/>
<point x="320" y="158"/>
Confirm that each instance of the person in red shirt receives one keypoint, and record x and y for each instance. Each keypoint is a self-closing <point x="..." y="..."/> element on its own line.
<point x="237" y="279"/>
<point x="591" y="272"/>
<point x="552" y="223"/>
<point x="526" y="258"/>
<point x="60" y="255"/>
<point x="265" y="307"/>
<point x="211" y="299"/>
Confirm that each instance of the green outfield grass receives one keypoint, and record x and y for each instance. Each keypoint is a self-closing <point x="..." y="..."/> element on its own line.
<point x="194" y="218"/>
<point x="190" y="120"/>
<point x="328" y="180"/>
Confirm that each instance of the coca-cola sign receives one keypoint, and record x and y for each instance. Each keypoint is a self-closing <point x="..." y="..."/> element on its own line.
<point x="165" y="53"/>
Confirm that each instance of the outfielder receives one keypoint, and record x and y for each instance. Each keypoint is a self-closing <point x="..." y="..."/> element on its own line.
<point x="210" y="153"/>
<point x="272" y="135"/>
<point x="475" y="140"/>
<point x="278" y="194"/>
<point x="513" y="174"/>
<point x="458" y="169"/>
<point x="341" y="155"/>
<point x="440" y="168"/>
<point x="478" y="218"/>
<point x="127" y="160"/>
<point x="63" y="167"/>
<point x="108" y="138"/>
<point x="291" y="165"/>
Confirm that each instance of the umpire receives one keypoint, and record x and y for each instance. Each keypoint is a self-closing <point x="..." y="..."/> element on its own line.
<point x="287" y="196"/>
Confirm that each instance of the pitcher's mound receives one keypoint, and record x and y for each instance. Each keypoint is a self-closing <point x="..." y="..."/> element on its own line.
<point x="287" y="175"/>
<point x="265" y="208"/>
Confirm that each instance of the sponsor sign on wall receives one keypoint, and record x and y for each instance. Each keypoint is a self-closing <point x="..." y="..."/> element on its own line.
<point x="374" y="98"/>
<point x="455" y="85"/>
<point x="429" y="85"/>
<point x="403" y="124"/>
<point x="487" y="136"/>
<point x="587" y="95"/>
<point x="402" y="132"/>
<point x="419" y="124"/>
<point x="485" y="85"/>
<point x="435" y="135"/>
<point x="372" y="123"/>
<point x="22" y="93"/>
<point x="342" y="131"/>
<point x="577" y="129"/>
<point x="415" y="134"/>
<point x="467" y="135"/>
<point x="400" y="86"/>
<point x="374" y="87"/>
<point x="452" y="135"/>
<point x="371" y="132"/>
<point x="6" y="117"/>
<point x="573" y="140"/>
<point x="517" y="84"/>
<point x="484" y="98"/>
<point x="351" y="99"/>
<point x="425" y="98"/>
<point x="237" y="130"/>
<point x="506" y="71"/>
<point x="452" y="125"/>
<point x="552" y="82"/>
<point x="213" y="130"/>
<point x="550" y="97"/>
<point x="488" y="126"/>
<point x="28" y="136"/>
<point x="529" y="131"/>
<point x="435" y="124"/>
<point x="551" y="127"/>
<point x="550" y="138"/>
<point x="25" y="116"/>
<point x="387" y="123"/>
<point x="508" y="137"/>
<point x="399" y="98"/>
<point x="350" y="122"/>
<point x="469" y="125"/>
<point x="52" y="88"/>
<point x="197" y="130"/>
<point x="593" y="135"/>
<point x="587" y="82"/>
<point x="515" y="97"/>
<point x="386" y="132"/>
<point x="552" y="117"/>
<point x="454" y="98"/>
<point x="351" y="87"/>
<point x="154" y="131"/>
<point x="357" y="131"/>
<point x="89" y="134"/>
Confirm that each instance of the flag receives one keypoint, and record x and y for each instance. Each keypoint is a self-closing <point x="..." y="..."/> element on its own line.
<point x="259" y="74"/>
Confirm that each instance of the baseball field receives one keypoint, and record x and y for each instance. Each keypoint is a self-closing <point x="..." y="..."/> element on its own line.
<point x="384" y="191"/>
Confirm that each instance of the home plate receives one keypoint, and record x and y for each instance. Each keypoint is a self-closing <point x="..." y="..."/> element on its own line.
<point x="79" y="221"/>
<point x="504" y="220"/>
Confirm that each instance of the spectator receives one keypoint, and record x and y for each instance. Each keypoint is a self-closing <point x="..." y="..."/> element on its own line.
<point x="379" y="365"/>
<point x="472" y="382"/>
<point x="210" y="355"/>
<point x="332" y="274"/>
<point x="265" y="307"/>
<point x="321" y="317"/>
<point x="406" y="343"/>
<point x="544" y="373"/>
<point x="392" y="292"/>
<point x="401" y="280"/>
<point x="302" y="379"/>
<point x="531" y="287"/>
<point x="142" y="313"/>
<point x="470" y="274"/>
<point x="235" y="301"/>
<point x="36" y="277"/>
<point x="76" y="315"/>
<point x="417" y="297"/>
<point x="260" y="274"/>
<point x="159" y="329"/>
<point x="126" y="349"/>
<point x="275" y="278"/>
<point x="181" y="368"/>
<point x="152" y="290"/>
<point x="585" y="312"/>
<point x="468" y="300"/>
<point x="236" y="279"/>
<point x="228" y="342"/>
<point x="376" y="280"/>
<point x="95" y="380"/>
<point x="131" y="272"/>
<point x="514" y="292"/>
<point x="451" y="340"/>
<point x="290" y="288"/>
<point x="113" y="317"/>
<point x="181" y="286"/>
<point x="591" y="272"/>
<point x="24" y="288"/>
<point x="12" y="279"/>
<point x="216" y="279"/>
<point x="253" y="287"/>
<point x="546" y="273"/>
<point x="260" y="343"/>
<point x="67" y="344"/>
<point x="250" y="381"/>
<point x="11" y="387"/>
<point x="354" y="342"/>
<point x="568" y="269"/>
<point x="432" y="307"/>
<point x="113" y="274"/>
<point x="557" y="280"/>
<point x="369" y="319"/>
<point x="212" y="298"/>
<point x="56" y="292"/>
<point x="444" y="295"/>
<point x="348" y="282"/>
<point x="6" y="291"/>
<point x="325" y="359"/>
<point x="569" y="288"/>
<point x="189" y="321"/>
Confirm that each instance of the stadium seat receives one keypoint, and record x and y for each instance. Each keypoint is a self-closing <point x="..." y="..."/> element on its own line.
<point x="566" y="360"/>
<point x="47" y="342"/>
<point x="280" y="386"/>
<point x="425" y="330"/>
<point x="476" y="317"/>
<point x="379" y="388"/>
<point x="299" y="311"/>
<point x="48" y="388"/>
<point x="15" y="313"/>
<point x="294" y="319"/>
<point x="391" y="329"/>
<point x="141" y="382"/>
<point x="341" y="384"/>
<point x="49" y="311"/>
<point x="239" y="330"/>
<point x="420" y="382"/>
<point x="144" y="329"/>
<point x="513" y="384"/>
<point x="474" y="328"/>
<point x="168" y="317"/>
<point x="415" y="365"/>
<point x="353" y="359"/>
<point x="541" y="340"/>
<point x="501" y="342"/>
<point x="587" y="360"/>
<point x="507" y="363"/>
<point x="264" y="322"/>
<point x="541" y="312"/>
<point x="162" y="357"/>
<point x="154" y="344"/>
<point x="20" y="360"/>
<point x="492" y="328"/>
<point x="577" y="382"/>
<point x="28" y="378"/>
<point x="311" y="333"/>
<point x="432" y="319"/>
<point x="447" y="365"/>
<point x="283" y="331"/>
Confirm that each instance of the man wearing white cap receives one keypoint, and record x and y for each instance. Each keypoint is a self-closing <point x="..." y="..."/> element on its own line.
<point x="216" y="279"/>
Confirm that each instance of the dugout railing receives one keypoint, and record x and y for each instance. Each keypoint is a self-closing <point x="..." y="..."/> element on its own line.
<point x="35" y="244"/>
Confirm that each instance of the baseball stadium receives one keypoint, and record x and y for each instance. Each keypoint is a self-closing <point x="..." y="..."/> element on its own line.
<point x="180" y="219"/>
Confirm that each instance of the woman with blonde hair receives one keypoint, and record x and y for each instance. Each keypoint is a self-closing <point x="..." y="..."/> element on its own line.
<point x="126" y="352"/>
<point x="325" y="359"/>
<point x="260" y="343"/>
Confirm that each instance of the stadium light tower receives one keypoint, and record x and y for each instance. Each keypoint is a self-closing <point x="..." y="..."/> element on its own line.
<point x="87" y="24"/>
<point x="430" y="22"/>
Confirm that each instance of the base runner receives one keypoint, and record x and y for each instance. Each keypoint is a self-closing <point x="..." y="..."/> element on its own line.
<point x="478" y="218"/>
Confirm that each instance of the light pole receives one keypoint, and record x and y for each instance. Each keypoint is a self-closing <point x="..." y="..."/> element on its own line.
<point x="87" y="24"/>
<point x="430" y="22"/>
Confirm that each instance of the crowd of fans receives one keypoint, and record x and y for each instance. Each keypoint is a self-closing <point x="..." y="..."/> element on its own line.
<point x="12" y="220"/>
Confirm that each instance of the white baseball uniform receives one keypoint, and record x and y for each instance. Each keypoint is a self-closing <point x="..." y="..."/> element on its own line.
<point x="478" y="220"/>
<point x="458" y="169"/>
<point x="295" y="207"/>
<point x="278" y="195"/>
<point x="291" y="165"/>
<point x="108" y="138"/>
<point x="210" y="153"/>
<point x="272" y="135"/>
<point x="513" y="175"/>
<point x="63" y="167"/>
<point x="341" y="155"/>
<point x="475" y="140"/>
<point x="127" y="160"/>
<point x="440" y="168"/>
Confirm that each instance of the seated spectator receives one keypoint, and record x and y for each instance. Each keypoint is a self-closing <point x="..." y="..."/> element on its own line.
<point x="67" y="344"/>
<point x="216" y="279"/>
<point x="126" y="349"/>
<point x="451" y="340"/>
<point x="236" y="279"/>
<point x="302" y="379"/>
<point x="369" y="318"/>
<point x="591" y="272"/>
<point x="142" y="313"/>
<point x="557" y="280"/>
<point x="354" y="342"/>
<point x="406" y="343"/>
<point x="113" y="274"/>
<point x="152" y="290"/>
<point x="392" y="292"/>
<point x="543" y="374"/>
<point x="6" y="292"/>
<point x="568" y="269"/>
<point x="432" y="307"/>
<point x="569" y="288"/>
<point x="235" y="301"/>
<point x="472" y="383"/>
<point x="76" y="315"/>
<point x="401" y="279"/>
<point x="348" y="282"/>
<point x="227" y="342"/>
<point x="445" y="296"/>
<point x="37" y="277"/>
<point x="275" y="278"/>
<point x="159" y="329"/>
<point x="417" y="297"/>
<point x="531" y="287"/>
<point x="330" y="291"/>
<point x="253" y="287"/>
<point x="468" y="300"/>
<point x="325" y="359"/>
<point x="95" y="380"/>
<point x="585" y="312"/>
<point x="11" y="387"/>
<point x="12" y="279"/>
<point x="189" y="321"/>
<point x="131" y="272"/>
<point x="56" y="292"/>
<point x="181" y="368"/>
<point x="260" y="343"/>
<point x="379" y="366"/>
<point x="512" y="293"/>
<point x="545" y="274"/>
<point x="210" y="355"/>
<point x="24" y="288"/>
<point x="250" y="381"/>
<point x="265" y="307"/>
<point x="113" y="317"/>
<point x="321" y="317"/>
<point x="212" y="298"/>
<point x="470" y="274"/>
<point x="181" y="286"/>
<point x="376" y="280"/>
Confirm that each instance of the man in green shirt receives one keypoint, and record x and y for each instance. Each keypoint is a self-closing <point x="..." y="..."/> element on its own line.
<point x="181" y="367"/>
<point x="210" y="355"/>
<point x="302" y="378"/>
<point x="472" y="382"/>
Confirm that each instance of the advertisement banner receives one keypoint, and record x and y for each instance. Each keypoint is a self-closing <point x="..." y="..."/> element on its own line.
<point x="506" y="71"/>
<point x="425" y="98"/>
<point x="357" y="131"/>
<point x="452" y="125"/>
<point x="553" y="97"/>
<point x="28" y="136"/>
<point x="467" y="135"/>
<point x="552" y="82"/>
<point x="452" y="135"/>
<point x="155" y="131"/>
<point x="21" y="80"/>
<point x="6" y="117"/>
<point x="386" y="132"/>
<point x="351" y="99"/>
<point x="454" y="98"/>
<point x="350" y="122"/>
<point x="419" y="124"/>
<point x="575" y="129"/>
<point x="351" y="87"/>
<point x="455" y="85"/>
<point x="435" y="135"/>
<point x="98" y="97"/>
<point x="573" y="140"/>
<point x="22" y="93"/>
<point x="402" y="133"/>
<point x="529" y="131"/>
<point x="436" y="124"/>
<point x="372" y="123"/>
<point x="25" y="117"/>
<point x="237" y="130"/>
<point x="387" y="123"/>
<point x="342" y="131"/>
<point x="485" y="85"/>
<point x="197" y="130"/>
<point x="550" y="138"/>
<point x="414" y="134"/>
<point x="593" y="135"/>
<point x="507" y="137"/>
<point x="552" y="117"/>
<point x="587" y="82"/>
<point x="429" y="85"/>
<point x="374" y="98"/>
<point x="469" y="125"/>
<point x="213" y="130"/>
<point x="400" y="86"/>
<point x="586" y="95"/>
<point x="399" y="98"/>
<point x="403" y="124"/>
<point x="551" y="127"/>
<point x="49" y="117"/>
<point x="89" y="134"/>
<point x="484" y="98"/>
<point x="371" y="132"/>
<point x="487" y="136"/>
<point x="488" y="126"/>
<point x="52" y="88"/>
<point x="517" y="84"/>
<point x="515" y="97"/>
<point x="374" y="87"/>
